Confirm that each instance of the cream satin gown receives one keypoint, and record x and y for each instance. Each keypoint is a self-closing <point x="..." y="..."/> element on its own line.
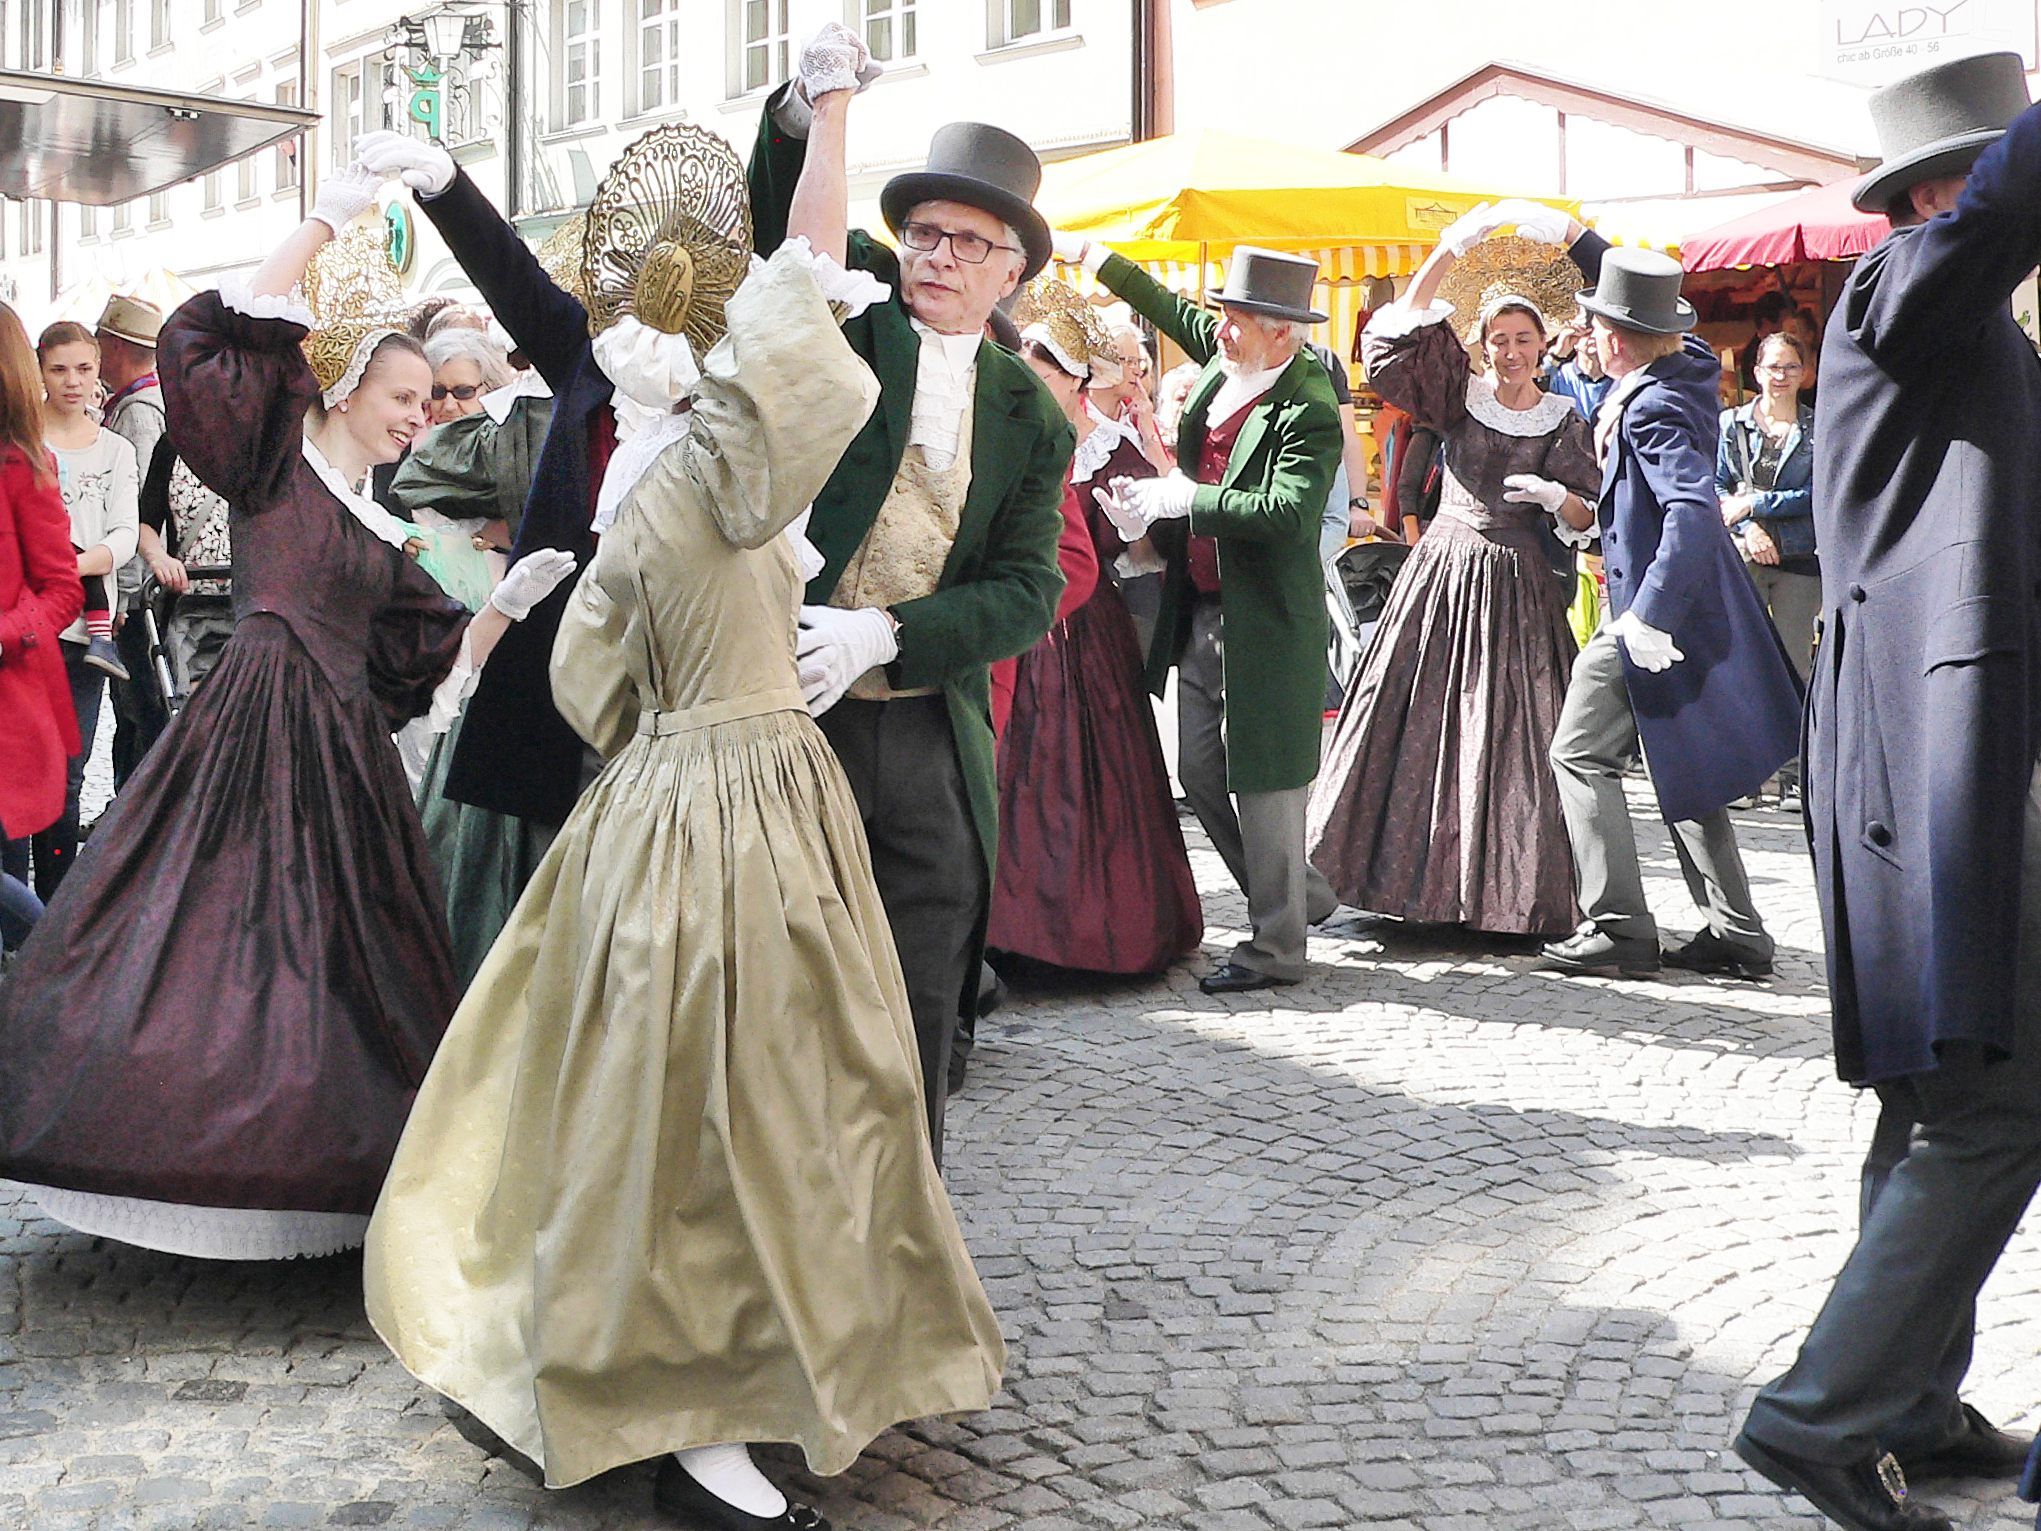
<point x="668" y="1183"/>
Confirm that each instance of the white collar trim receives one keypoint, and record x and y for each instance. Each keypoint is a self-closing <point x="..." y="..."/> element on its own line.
<point x="380" y="523"/>
<point x="529" y="385"/>
<point x="1093" y="450"/>
<point x="1541" y="419"/>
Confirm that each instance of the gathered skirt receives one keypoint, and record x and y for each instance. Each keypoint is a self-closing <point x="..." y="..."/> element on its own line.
<point x="669" y="1181"/>
<point x="1093" y="874"/>
<point x="1436" y="802"/>
<point x="236" y="992"/>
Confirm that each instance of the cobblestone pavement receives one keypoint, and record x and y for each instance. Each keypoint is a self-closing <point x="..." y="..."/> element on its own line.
<point x="1434" y="1240"/>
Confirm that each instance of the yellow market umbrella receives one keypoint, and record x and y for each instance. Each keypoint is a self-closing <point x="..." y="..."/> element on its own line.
<point x="1191" y="197"/>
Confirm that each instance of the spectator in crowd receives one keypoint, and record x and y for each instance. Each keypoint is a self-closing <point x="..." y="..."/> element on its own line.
<point x="40" y="596"/>
<point x="466" y="364"/>
<point x="1767" y="317"/>
<point x="1764" y="477"/>
<point x="187" y="524"/>
<point x="1575" y="368"/>
<point x="134" y="410"/>
<point x="97" y="475"/>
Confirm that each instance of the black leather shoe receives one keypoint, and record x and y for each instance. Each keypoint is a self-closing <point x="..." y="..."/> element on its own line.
<point x="1981" y="1451"/>
<point x="1589" y="950"/>
<point x="675" y="1493"/>
<point x="1232" y="978"/>
<point x="1710" y="953"/>
<point x="1869" y="1495"/>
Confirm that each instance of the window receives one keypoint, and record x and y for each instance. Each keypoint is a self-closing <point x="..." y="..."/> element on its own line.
<point x="31" y="228"/>
<point x="659" y="54"/>
<point x="579" y="50"/>
<point x="212" y="191"/>
<point x="287" y="151"/>
<point x="124" y="218"/>
<point x="762" y="45"/>
<point x="34" y="39"/>
<point x="88" y="38"/>
<point x="365" y="97"/>
<point x="88" y="223"/>
<point x="159" y="208"/>
<point x="245" y="188"/>
<point x="123" y="31"/>
<point x="889" y="29"/>
<point x="159" y="24"/>
<point x="1024" y="19"/>
<point x="212" y="12"/>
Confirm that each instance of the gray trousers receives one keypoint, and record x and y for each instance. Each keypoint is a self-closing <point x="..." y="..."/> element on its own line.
<point x="1953" y="1164"/>
<point x="1595" y="743"/>
<point x="1794" y="600"/>
<point x="901" y="760"/>
<point x="1262" y="839"/>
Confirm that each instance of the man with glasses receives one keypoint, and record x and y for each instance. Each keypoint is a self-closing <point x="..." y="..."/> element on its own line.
<point x="939" y="529"/>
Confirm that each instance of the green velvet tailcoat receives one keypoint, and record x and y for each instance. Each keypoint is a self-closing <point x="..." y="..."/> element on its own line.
<point x="998" y="591"/>
<point x="1265" y="514"/>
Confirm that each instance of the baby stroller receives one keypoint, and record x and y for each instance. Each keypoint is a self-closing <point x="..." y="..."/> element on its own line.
<point x="1356" y="589"/>
<point x="186" y="632"/>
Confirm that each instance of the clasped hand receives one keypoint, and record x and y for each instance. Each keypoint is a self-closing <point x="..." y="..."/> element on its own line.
<point x="833" y="648"/>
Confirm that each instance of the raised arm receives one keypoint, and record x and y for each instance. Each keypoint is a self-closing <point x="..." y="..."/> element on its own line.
<point x="798" y="181"/>
<point x="1191" y="327"/>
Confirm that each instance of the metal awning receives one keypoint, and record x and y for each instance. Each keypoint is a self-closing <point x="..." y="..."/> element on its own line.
<point x="67" y="140"/>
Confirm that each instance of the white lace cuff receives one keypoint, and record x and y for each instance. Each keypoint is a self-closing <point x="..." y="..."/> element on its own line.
<point x="856" y="291"/>
<point x="451" y="694"/>
<point x="1581" y="537"/>
<point x="239" y="295"/>
<point x="1395" y="320"/>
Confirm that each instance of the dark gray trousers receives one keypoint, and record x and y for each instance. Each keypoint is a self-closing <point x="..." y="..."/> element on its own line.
<point x="1596" y="741"/>
<point x="1953" y="1163"/>
<point x="901" y="760"/>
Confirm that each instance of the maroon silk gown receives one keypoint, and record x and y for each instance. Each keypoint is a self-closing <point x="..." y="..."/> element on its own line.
<point x="237" y="991"/>
<point x="1092" y="873"/>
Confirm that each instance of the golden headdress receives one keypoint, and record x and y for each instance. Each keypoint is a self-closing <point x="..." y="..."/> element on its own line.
<point x="356" y="303"/>
<point x="668" y="237"/>
<point x="1499" y="272"/>
<point x="560" y="256"/>
<point x="1055" y="315"/>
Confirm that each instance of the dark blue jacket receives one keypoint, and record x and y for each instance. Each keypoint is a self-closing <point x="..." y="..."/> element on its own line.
<point x="1723" y="719"/>
<point x="516" y="754"/>
<point x="1786" y="510"/>
<point x="1926" y="691"/>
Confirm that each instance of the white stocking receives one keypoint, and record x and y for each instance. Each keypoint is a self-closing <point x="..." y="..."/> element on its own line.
<point x="729" y="1474"/>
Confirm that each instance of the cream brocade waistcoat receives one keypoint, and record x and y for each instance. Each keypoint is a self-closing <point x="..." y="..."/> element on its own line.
<point x="906" y="547"/>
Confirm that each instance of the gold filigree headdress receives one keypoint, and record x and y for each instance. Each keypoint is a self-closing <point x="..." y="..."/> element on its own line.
<point x="560" y="256"/>
<point x="1055" y="315"/>
<point x="356" y="303"/>
<point x="1510" y="272"/>
<point x="668" y="237"/>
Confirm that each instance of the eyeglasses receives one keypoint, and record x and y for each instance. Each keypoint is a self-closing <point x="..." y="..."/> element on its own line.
<point x="461" y="391"/>
<point x="971" y="249"/>
<point x="1781" y="368"/>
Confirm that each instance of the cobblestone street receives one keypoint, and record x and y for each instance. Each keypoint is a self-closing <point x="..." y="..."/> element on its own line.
<point x="1437" y="1240"/>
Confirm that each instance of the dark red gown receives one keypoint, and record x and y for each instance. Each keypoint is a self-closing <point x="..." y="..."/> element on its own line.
<point x="235" y="994"/>
<point x="1092" y="874"/>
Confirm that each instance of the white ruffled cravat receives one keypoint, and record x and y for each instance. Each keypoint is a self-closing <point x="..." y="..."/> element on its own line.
<point x="944" y="384"/>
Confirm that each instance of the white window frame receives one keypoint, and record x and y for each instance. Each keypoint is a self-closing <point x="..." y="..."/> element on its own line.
<point x="123" y="31"/>
<point x="214" y="198"/>
<point x="358" y="106"/>
<point x="287" y="152"/>
<point x="577" y="56"/>
<point x="898" y="16"/>
<point x="666" y="24"/>
<point x="32" y="227"/>
<point x="88" y="222"/>
<point x="123" y="219"/>
<point x="88" y="38"/>
<point x="159" y="24"/>
<point x="159" y="209"/>
<point x="773" y="50"/>
<point x="213" y="12"/>
<point x="1004" y="21"/>
<point x="35" y="37"/>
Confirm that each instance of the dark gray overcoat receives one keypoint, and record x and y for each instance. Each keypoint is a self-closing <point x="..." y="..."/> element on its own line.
<point x="1923" y="710"/>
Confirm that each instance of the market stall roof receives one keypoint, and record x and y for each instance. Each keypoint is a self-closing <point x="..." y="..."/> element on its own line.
<point x="1816" y="225"/>
<point x="66" y="140"/>
<point x="1192" y="196"/>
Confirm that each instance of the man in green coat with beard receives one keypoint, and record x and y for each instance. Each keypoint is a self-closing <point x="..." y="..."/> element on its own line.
<point x="1243" y="602"/>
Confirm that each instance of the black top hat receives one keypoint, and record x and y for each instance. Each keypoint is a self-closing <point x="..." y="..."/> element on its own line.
<point x="980" y="166"/>
<point x="1640" y="290"/>
<point x="1937" y="122"/>
<point x="1269" y="282"/>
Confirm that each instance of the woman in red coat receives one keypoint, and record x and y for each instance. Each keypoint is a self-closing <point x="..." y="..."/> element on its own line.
<point x="39" y="597"/>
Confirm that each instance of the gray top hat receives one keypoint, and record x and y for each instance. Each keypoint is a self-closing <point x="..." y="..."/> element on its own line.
<point x="1272" y="283"/>
<point x="1640" y="290"/>
<point x="1937" y="122"/>
<point x="980" y="166"/>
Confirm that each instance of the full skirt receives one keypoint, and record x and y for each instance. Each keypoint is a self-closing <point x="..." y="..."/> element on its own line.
<point x="1436" y="802"/>
<point x="669" y="1181"/>
<point x="1093" y="874"/>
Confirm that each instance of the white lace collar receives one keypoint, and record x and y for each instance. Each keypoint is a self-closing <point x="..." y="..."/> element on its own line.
<point x="1093" y="450"/>
<point x="528" y="385"/>
<point x="1541" y="419"/>
<point x="380" y="523"/>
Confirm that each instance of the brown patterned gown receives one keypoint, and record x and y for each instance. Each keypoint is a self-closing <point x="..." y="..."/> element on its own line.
<point x="1436" y="803"/>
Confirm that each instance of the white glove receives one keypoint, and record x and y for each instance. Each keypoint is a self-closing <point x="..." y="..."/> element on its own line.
<point x="1068" y="248"/>
<point x="834" y="648"/>
<point x="530" y="580"/>
<point x="835" y="58"/>
<point x="1650" y="649"/>
<point x="1131" y="526"/>
<point x="1470" y="228"/>
<point x="426" y="168"/>
<point x="1149" y="499"/>
<point x="1529" y="489"/>
<point x="1534" y="220"/>
<point x="345" y="195"/>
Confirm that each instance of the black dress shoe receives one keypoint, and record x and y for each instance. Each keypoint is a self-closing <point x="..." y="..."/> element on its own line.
<point x="1869" y="1495"/>
<point x="1589" y="950"/>
<point x="1710" y="953"/>
<point x="1982" y="1450"/>
<point x="675" y="1493"/>
<point x="1232" y="978"/>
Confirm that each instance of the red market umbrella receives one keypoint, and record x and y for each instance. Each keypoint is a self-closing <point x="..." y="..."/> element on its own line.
<point x="1816" y="225"/>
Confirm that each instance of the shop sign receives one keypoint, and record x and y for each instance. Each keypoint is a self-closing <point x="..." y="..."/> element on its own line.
<point x="1875" y="40"/>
